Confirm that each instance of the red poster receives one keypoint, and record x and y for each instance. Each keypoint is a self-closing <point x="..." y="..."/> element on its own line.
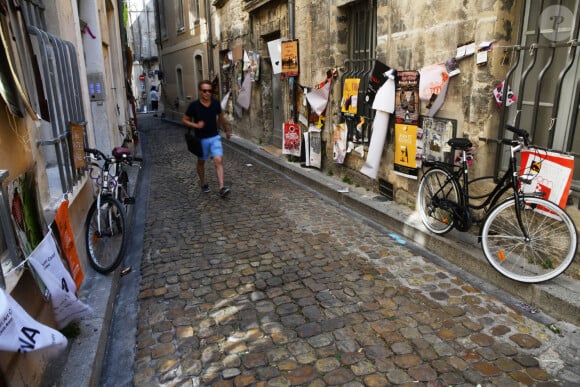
<point x="549" y="173"/>
<point x="292" y="139"/>
<point x="66" y="241"/>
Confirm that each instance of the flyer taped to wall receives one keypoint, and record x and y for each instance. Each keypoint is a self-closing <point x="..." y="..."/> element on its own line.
<point x="19" y="332"/>
<point x="46" y="262"/>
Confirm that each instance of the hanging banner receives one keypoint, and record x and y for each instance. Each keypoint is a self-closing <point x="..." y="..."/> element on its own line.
<point x="433" y="87"/>
<point x="406" y="150"/>
<point x="63" y="232"/>
<point x="291" y="139"/>
<point x="318" y="99"/>
<point x="340" y="140"/>
<point x="47" y="264"/>
<point x="245" y="95"/>
<point x="550" y="173"/>
<point x="19" y="332"/>
<point x="384" y="104"/>
<point x="350" y="95"/>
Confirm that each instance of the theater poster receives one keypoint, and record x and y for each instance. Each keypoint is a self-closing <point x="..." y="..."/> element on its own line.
<point x="406" y="151"/>
<point x="292" y="140"/>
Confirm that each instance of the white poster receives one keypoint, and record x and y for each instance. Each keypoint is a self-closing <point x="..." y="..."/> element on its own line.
<point x="245" y="93"/>
<point x="315" y="147"/>
<point x="275" y="51"/>
<point x="19" y="332"/>
<point x="47" y="263"/>
<point x="318" y="99"/>
<point x="384" y="104"/>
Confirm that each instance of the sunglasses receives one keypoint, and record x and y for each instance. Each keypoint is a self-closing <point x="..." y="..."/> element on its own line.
<point x="206" y="90"/>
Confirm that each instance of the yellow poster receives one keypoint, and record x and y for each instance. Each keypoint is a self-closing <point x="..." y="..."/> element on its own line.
<point x="350" y="95"/>
<point x="406" y="150"/>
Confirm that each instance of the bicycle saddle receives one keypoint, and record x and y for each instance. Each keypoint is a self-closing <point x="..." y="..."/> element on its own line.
<point x="120" y="151"/>
<point x="460" y="143"/>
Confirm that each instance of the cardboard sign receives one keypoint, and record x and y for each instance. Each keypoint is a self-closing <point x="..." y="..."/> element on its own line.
<point x="550" y="173"/>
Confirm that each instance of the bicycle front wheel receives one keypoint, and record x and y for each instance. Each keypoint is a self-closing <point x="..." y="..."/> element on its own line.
<point x="438" y="195"/>
<point x="105" y="237"/>
<point x="547" y="251"/>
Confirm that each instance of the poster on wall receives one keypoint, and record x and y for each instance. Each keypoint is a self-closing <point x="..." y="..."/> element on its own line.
<point x="436" y="133"/>
<point x="407" y="97"/>
<point x="315" y="147"/>
<point x="406" y="150"/>
<point x="62" y="230"/>
<point x="339" y="142"/>
<point x="350" y="95"/>
<point x="377" y="78"/>
<point x="550" y="173"/>
<point x="275" y="52"/>
<point x="290" y="58"/>
<point x="291" y="139"/>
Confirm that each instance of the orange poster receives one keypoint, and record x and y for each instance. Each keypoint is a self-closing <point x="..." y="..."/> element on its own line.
<point x="406" y="150"/>
<point x="66" y="240"/>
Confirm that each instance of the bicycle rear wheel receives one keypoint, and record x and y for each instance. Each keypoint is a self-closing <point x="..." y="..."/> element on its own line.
<point x="549" y="249"/>
<point x="123" y="189"/>
<point x="105" y="235"/>
<point x="438" y="193"/>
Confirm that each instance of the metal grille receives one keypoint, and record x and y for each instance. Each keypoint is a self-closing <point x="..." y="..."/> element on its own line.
<point x="545" y="76"/>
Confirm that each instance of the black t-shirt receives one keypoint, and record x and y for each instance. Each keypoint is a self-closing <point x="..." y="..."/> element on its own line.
<point x="196" y="111"/>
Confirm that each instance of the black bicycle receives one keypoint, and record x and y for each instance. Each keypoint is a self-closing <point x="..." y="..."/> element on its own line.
<point x="525" y="237"/>
<point x="105" y="225"/>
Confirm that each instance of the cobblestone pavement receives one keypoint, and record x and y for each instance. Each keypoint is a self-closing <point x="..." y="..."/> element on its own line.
<point x="276" y="286"/>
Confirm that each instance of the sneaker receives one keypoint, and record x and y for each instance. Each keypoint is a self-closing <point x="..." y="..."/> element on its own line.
<point x="205" y="188"/>
<point x="224" y="192"/>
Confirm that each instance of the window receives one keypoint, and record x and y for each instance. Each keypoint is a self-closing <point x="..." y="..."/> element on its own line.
<point x="162" y="21"/>
<point x="179" y="16"/>
<point x="194" y="14"/>
<point x="179" y="81"/>
<point x="546" y="76"/>
<point x="198" y="69"/>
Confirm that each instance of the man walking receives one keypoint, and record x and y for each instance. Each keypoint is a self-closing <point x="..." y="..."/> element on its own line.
<point x="202" y="115"/>
<point x="154" y="97"/>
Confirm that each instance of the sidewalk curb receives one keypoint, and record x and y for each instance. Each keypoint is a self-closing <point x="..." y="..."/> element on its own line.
<point x="559" y="298"/>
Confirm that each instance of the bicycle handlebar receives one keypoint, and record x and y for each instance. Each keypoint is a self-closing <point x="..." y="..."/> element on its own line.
<point x="101" y="156"/>
<point x="521" y="133"/>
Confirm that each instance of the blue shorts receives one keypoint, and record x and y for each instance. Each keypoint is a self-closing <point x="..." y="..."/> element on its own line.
<point x="212" y="147"/>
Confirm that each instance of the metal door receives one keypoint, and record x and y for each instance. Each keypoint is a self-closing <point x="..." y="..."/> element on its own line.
<point x="277" y="111"/>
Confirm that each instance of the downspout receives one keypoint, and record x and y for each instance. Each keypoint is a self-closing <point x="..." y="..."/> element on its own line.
<point x="210" y="64"/>
<point x="292" y="80"/>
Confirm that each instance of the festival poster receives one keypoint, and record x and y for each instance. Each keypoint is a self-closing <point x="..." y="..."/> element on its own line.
<point x="290" y="58"/>
<point x="407" y="97"/>
<point x="63" y="232"/>
<point x="379" y="75"/>
<point x="550" y="173"/>
<point x="291" y="139"/>
<point x="406" y="151"/>
<point x="350" y="95"/>
<point x="437" y="132"/>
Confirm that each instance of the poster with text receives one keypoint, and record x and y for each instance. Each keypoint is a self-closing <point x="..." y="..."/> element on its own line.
<point x="291" y="139"/>
<point x="407" y="97"/>
<point x="406" y="151"/>
<point x="290" y="58"/>
<point x="339" y="142"/>
<point x="63" y="232"/>
<point x="550" y="173"/>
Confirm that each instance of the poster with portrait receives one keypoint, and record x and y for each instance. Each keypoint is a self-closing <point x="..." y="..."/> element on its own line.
<point x="407" y="97"/>
<point x="339" y="142"/>
<point x="406" y="150"/>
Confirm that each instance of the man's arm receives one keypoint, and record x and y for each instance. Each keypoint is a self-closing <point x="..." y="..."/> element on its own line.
<point x="224" y="125"/>
<point x="186" y="120"/>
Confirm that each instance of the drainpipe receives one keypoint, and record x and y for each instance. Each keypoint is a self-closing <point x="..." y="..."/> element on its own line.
<point x="210" y="64"/>
<point x="291" y="79"/>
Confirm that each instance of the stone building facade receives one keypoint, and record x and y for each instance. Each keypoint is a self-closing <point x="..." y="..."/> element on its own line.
<point x="63" y="62"/>
<point x="349" y="36"/>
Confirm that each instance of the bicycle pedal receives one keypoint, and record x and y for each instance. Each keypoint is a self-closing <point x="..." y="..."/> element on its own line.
<point x="130" y="200"/>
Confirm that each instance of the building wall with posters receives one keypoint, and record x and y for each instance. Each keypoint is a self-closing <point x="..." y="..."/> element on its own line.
<point x="409" y="36"/>
<point x="62" y="63"/>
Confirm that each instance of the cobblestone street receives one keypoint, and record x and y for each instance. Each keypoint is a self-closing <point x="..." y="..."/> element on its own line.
<point x="277" y="286"/>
